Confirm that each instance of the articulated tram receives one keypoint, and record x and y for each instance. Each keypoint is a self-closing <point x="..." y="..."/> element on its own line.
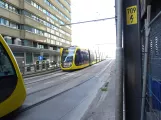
<point x="73" y="58"/>
<point x="12" y="89"/>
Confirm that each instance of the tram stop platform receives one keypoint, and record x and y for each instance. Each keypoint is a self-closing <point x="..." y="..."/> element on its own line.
<point x="103" y="106"/>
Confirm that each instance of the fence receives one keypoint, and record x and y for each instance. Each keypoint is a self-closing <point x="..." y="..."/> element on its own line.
<point x="37" y="68"/>
<point x="153" y="86"/>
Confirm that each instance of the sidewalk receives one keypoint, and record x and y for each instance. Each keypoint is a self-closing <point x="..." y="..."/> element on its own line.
<point x="103" y="106"/>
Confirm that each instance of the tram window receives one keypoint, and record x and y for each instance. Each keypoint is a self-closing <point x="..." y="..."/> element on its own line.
<point x="67" y="55"/>
<point x="87" y="56"/>
<point x="78" y="58"/>
<point x="6" y="68"/>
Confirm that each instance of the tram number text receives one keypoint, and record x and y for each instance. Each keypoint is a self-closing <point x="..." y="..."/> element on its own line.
<point x="131" y="15"/>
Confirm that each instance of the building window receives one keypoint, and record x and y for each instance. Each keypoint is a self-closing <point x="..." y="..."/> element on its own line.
<point x="44" y="11"/>
<point x="7" y="6"/>
<point x="29" y="59"/>
<point x="48" y="40"/>
<point x="27" y="43"/>
<point x="2" y="4"/>
<point x="33" y="30"/>
<point x="10" y="7"/>
<point x="53" y="7"/>
<point x="40" y="8"/>
<point x="18" y="54"/>
<point x="4" y="22"/>
<point x="8" y="39"/>
<point x="41" y="46"/>
<point x="9" y="23"/>
<point x="52" y="41"/>
<point x="13" y="25"/>
<point x="67" y="2"/>
<point x="57" y="43"/>
<point x="29" y="1"/>
<point x="57" y="33"/>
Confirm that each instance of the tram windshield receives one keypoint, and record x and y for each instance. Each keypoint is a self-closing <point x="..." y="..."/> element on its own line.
<point x="67" y="55"/>
<point x="6" y="68"/>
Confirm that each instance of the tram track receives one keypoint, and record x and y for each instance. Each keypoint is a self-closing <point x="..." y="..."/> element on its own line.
<point x="40" y="76"/>
<point x="69" y="81"/>
<point x="65" y="81"/>
<point x="45" y="78"/>
<point x="49" y="77"/>
<point x="57" y="82"/>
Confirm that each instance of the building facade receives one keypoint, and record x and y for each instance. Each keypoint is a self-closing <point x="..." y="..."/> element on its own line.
<point x="32" y="28"/>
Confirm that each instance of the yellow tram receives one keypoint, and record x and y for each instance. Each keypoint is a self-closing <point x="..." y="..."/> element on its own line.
<point x="12" y="89"/>
<point x="73" y="58"/>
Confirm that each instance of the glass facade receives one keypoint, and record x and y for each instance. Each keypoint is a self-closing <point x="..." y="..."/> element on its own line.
<point x="34" y="17"/>
<point x="5" y="5"/>
<point x="67" y="2"/>
<point x="56" y="9"/>
<point x="45" y="11"/>
<point x="8" y="23"/>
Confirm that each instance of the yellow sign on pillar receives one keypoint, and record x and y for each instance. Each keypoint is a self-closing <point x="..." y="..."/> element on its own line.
<point x="131" y="15"/>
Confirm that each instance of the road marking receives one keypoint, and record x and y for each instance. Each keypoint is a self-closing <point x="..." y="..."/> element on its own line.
<point x="97" y="75"/>
<point x="49" y="82"/>
<point x="131" y="15"/>
<point x="67" y="75"/>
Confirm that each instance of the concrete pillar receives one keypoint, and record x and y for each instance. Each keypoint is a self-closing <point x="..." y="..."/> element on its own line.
<point x="33" y="58"/>
<point x="24" y="58"/>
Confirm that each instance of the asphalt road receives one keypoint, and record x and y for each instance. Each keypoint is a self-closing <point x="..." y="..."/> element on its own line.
<point x="63" y="95"/>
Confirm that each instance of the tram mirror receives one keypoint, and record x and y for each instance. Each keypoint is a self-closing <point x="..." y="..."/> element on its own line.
<point x="6" y="65"/>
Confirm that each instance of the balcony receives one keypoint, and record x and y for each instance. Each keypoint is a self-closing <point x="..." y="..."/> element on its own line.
<point x="41" y="2"/>
<point x="32" y="9"/>
<point x="31" y="22"/>
<point x="65" y="4"/>
<point x="66" y="29"/>
<point x="10" y="15"/>
<point x="5" y="30"/>
<point x="67" y="38"/>
<point x="69" y="1"/>
<point x="14" y="2"/>
<point x="32" y="36"/>
<point x="60" y="8"/>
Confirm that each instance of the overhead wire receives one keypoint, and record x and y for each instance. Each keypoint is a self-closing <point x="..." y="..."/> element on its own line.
<point x="96" y="20"/>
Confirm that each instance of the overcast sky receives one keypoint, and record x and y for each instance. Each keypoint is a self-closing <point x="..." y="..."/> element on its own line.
<point x="88" y="34"/>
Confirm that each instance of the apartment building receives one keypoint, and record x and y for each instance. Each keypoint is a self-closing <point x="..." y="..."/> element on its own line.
<point x="32" y="28"/>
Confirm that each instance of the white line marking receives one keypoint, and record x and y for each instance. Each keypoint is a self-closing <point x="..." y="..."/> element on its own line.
<point x="104" y="69"/>
<point x="48" y="82"/>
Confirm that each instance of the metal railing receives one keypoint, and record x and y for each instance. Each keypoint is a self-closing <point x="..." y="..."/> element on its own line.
<point x="37" y="68"/>
<point x="43" y="67"/>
